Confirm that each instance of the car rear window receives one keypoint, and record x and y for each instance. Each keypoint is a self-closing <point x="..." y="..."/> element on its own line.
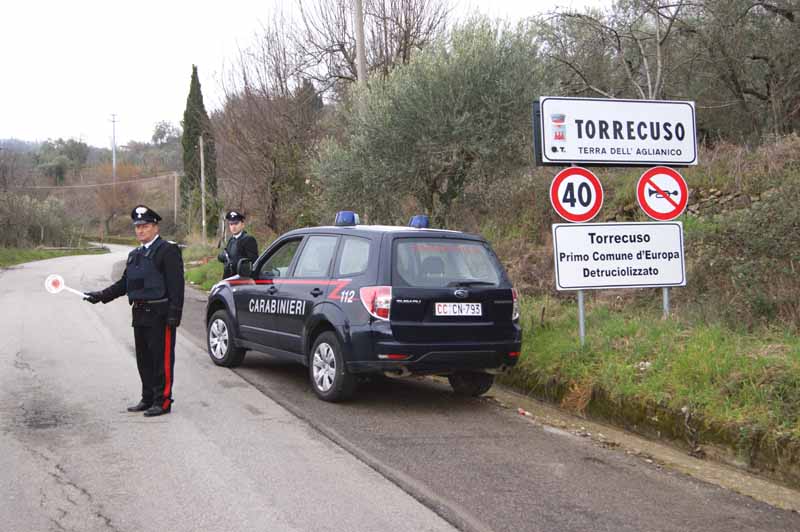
<point x="432" y="262"/>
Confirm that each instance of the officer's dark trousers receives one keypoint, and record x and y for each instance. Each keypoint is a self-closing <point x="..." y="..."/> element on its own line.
<point x="155" y="358"/>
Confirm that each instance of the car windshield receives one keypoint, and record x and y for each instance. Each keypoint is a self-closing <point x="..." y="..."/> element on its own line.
<point x="439" y="263"/>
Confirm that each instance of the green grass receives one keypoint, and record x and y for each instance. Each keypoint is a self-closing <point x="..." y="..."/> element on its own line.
<point x="728" y="378"/>
<point x="202" y="267"/>
<point x="195" y="252"/>
<point x="12" y="256"/>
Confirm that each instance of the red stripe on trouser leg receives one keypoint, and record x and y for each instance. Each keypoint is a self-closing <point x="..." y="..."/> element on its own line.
<point x="167" y="366"/>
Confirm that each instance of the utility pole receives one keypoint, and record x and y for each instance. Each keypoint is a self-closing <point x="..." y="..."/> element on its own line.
<point x="175" y="197"/>
<point x="361" y="61"/>
<point x="203" y="187"/>
<point x="114" y="160"/>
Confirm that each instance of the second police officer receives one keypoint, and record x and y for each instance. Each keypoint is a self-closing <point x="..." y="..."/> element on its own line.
<point x="240" y="245"/>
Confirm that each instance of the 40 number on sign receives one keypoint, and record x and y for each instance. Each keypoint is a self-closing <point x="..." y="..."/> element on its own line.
<point x="584" y="195"/>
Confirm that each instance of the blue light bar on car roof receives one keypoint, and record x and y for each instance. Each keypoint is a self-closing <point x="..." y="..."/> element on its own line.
<point x="420" y="221"/>
<point x="346" y="218"/>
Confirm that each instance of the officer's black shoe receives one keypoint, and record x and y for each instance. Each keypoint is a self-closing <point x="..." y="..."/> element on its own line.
<point x="157" y="410"/>
<point x="141" y="406"/>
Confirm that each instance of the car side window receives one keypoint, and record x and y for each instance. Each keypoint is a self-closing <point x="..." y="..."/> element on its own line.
<point x="354" y="256"/>
<point x="277" y="265"/>
<point x="316" y="256"/>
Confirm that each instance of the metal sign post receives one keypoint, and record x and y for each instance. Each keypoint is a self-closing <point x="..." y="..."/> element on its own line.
<point x="581" y="322"/>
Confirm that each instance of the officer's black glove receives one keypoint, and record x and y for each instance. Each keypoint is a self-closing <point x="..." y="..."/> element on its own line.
<point x="223" y="256"/>
<point x="174" y="317"/>
<point x="93" y="297"/>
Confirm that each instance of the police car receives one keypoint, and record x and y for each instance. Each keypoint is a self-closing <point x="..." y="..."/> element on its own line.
<point x="350" y="300"/>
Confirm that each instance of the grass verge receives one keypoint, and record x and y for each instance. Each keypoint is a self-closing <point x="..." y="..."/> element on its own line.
<point x="695" y="383"/>
<point x="203" y="274"/>
<point x="12" y="256"/>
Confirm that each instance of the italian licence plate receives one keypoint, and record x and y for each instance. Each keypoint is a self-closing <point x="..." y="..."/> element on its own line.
<point x="458" y="309"/>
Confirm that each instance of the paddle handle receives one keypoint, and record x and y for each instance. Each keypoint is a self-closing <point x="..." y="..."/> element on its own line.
<point x="76" y="292"/>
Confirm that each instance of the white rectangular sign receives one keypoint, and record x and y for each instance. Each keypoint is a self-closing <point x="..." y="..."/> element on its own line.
<point x="617" y="132"/>
<point x="618" y="255"/>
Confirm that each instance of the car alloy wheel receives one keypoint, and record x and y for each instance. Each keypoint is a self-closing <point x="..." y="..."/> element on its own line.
<point x="324" y="367"/>
<point x="327" y="372"/>
<point x="218" y="339"/>
<point x="221" y="336"/>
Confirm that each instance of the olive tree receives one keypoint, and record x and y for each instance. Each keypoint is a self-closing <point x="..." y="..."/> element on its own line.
<point x="457" y="113"/>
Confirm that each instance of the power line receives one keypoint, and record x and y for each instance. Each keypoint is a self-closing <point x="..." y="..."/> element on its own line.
<point x="170" y="175"/>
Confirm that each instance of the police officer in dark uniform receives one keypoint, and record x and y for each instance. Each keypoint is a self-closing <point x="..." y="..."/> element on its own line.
<point x="240" y="245"/>
<point x="153" y="281"/>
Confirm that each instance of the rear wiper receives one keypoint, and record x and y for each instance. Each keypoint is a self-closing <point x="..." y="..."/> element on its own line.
<point x="468" y="282"/>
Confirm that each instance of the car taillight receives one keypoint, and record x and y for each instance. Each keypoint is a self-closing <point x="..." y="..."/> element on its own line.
<point x="377" y="300"/>
<point x="394" y="356"/>
<point x="515" y="309"/>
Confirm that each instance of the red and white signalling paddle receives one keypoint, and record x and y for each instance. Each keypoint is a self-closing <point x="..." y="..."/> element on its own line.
<point x="55" y="284"/>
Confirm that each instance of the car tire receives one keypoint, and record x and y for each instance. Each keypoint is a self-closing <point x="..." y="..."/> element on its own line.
<point x="220" y="341"/>
<point x="326" y="370"/>
<point x="471" y="384"/>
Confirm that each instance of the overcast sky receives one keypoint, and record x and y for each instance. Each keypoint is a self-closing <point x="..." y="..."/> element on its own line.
<point x="66" y="66"/>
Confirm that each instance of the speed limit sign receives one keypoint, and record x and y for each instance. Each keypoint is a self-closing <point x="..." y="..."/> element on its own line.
<point x="576" y="194"/>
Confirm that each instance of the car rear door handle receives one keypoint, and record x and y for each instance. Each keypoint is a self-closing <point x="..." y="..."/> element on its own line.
<point x="272" y="289"/>
<point x="316" y="292"/>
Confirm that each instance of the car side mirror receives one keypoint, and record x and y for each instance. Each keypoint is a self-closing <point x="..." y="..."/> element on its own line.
<point x="245" y="268"/>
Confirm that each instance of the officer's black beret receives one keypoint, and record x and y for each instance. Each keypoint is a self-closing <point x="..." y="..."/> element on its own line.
<point x="142" y="214"/>
<point x="234" y="216"/>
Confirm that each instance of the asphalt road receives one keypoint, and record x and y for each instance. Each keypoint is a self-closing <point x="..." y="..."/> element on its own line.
<point x="227" y="459"/>
<point x="253" y="449"/>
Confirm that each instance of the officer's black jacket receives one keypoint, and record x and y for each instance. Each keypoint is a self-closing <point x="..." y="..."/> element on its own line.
<point x="244" y="247"/>
<point x="169" y="262"/>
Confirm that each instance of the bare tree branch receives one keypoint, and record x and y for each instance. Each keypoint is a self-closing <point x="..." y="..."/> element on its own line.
<point x="582" y="76"/>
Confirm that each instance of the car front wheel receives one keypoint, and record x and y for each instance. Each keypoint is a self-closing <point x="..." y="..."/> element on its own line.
<point x="219" y="337"/>
<point x="326" y="370"/>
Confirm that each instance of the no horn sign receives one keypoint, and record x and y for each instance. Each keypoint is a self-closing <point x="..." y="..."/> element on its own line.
<point x="576" y="194"/>
<point x="662" y="193"/>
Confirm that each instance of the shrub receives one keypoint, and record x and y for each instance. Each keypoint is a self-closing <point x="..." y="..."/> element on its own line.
<point x="747" y="260"/>
<point x="26" y="221"/>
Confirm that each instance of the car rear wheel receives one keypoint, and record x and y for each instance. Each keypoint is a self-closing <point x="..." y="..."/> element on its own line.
<point x="326" y="370"/>
<point x="471" y="384"/>
<point x="219" y="337"/>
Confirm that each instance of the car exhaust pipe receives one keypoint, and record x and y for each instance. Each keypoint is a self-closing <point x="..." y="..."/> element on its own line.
<point x="398" y="373"/>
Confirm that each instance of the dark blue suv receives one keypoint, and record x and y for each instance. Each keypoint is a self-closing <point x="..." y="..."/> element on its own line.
<point x="351" y="300"/>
